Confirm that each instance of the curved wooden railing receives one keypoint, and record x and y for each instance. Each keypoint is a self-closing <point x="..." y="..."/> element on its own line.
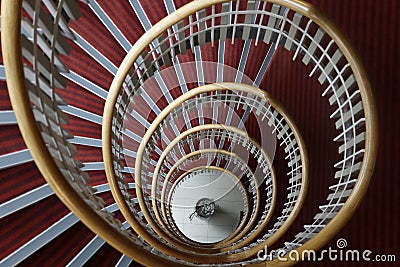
<point x="269" y="110"/>
<point x="239" y="184"/>
<point x="194" y="131"/>
<point x="167" y="196"/>
<point x="304" y="38"/>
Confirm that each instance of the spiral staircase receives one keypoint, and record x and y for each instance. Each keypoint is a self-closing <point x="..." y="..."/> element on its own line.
<point x="124" y="102"/>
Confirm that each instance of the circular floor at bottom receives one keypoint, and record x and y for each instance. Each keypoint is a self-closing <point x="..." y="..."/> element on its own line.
<point x="228" y="196"/>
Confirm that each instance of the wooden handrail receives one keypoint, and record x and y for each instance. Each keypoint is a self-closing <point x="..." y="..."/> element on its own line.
<point x="164" y="113"/>
<point x="167" y="212"/>
<point x="370" y="111"/>
<point x="215" y="127"/>
<point x="176" y="182"/>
